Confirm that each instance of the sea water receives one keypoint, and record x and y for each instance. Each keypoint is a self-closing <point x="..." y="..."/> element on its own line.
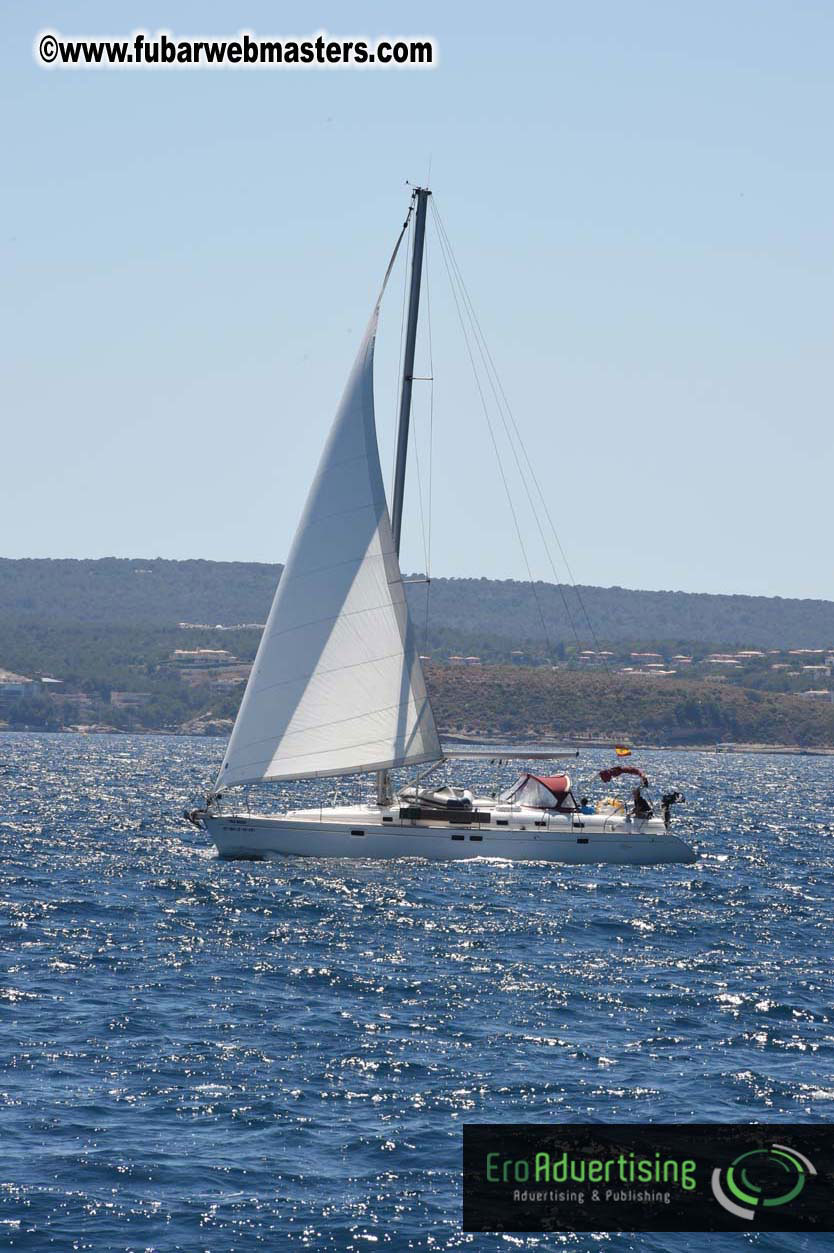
<point x="199" y="1054"/>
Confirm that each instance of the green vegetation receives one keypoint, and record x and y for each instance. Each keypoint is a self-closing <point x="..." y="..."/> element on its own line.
<point x="162" y="593"/>
<point x="618" y="616"/>
<point x="126" y="592"/>
<point x="528" y="703"/>
<point x="112" y="626"/>
<point x="95" y="661"/>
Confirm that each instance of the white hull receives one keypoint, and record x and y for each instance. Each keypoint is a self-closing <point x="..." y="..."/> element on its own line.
<point x="361" y="832"/>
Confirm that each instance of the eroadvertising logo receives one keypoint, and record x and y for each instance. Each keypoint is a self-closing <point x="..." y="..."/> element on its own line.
<point x="636" y="1177"/>
<point x="768" y="1177"/>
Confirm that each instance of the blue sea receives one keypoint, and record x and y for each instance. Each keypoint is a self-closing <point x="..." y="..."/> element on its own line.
<point x="209" y="1055"/>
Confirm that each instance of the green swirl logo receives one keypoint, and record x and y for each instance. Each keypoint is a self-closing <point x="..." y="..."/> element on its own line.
<point x="762" y="1177"/>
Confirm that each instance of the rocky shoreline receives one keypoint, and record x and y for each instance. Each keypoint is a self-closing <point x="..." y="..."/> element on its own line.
<point x="220" y="728"/>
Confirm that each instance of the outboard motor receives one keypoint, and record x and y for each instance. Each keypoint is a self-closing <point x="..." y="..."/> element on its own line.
<point x="667" y="801"/>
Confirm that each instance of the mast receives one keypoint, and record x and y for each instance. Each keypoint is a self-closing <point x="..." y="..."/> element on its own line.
<point x="421" y="196"/>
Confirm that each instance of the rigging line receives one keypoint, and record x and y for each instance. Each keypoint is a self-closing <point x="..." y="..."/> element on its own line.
<point x="620" y="697"/>
<point x="498" y="391"/>
<point x="413" y="439"/>
<point x="509" y="438"/>
<point x="542" y="498"/>
<point x="431" y="401"/>
<point x="414" y="443"/>
<point x="401" y="353"/>
<point x="412" y="434"/>
<point x="394" y="256"/>
<point x="494" y="381"/>
<point x="485" y="408"/>
<point x="514" y="423"/>
<point x="431" y="438"/>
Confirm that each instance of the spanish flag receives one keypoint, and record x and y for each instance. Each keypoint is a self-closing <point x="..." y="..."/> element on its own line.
<point x="622" y="751"/>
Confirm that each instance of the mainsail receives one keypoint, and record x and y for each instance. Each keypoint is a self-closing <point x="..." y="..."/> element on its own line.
<point x="337" y="686"/>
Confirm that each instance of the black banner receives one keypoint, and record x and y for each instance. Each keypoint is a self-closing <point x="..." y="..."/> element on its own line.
<point x="644" y="1177"/>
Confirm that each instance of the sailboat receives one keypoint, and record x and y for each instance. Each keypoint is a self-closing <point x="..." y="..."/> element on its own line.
<point x="337" y="685"/>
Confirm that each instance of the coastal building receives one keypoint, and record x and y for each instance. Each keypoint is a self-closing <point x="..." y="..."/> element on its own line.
<point x="225" y="676"/>
<point x="219" y="626"/>
<point x="646" y="672"/>
<point x="129" y="700"/>
<point x="79" y="700"/>
<point x="14" y="686"/>
<point x="203" y="657"/>
<point x="594" y="656"/>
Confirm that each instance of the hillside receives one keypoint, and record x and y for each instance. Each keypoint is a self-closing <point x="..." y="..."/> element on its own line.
<point x="123" y="592"/>
<point x="535" y="704"/>
<point x="110" y="632"/>
<point x="138" y="592"/>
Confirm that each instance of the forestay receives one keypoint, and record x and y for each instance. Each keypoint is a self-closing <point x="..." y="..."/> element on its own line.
<point x="337" y="686"/>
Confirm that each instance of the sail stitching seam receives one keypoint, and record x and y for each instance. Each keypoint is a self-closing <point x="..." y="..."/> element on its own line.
<point x="411" y="702"/>
<point x="310" y="678"/>
<point x="344" y="613"/>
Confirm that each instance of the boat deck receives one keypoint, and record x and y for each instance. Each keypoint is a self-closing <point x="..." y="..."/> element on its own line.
<point x="485" y="814"/>
<point x="516" y="833"/>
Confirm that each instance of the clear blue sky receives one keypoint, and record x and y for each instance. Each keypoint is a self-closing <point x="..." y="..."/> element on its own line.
<point x="642" y="201"/>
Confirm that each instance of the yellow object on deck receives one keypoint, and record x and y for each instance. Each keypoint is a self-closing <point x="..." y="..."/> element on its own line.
<point x="610" y="805"/>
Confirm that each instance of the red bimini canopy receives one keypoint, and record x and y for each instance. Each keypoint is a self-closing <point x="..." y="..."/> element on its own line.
<point x="540" y="792"/>
<point x="614" y="772"/>
<point x="558" y="784"/>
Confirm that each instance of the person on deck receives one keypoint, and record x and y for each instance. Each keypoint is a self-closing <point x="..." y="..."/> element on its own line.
<point x="642" y="808"/>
